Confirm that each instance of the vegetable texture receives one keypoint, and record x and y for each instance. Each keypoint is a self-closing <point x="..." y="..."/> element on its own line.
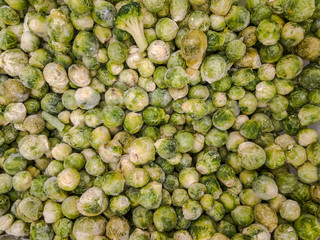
<point x="160" y="119"/>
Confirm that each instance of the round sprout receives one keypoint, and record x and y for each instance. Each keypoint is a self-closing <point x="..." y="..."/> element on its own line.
<point x="210" y="74"/>
<point x="136" y="99"/>
<point x="199" y="20"/>
<point x="89" y="227"/>
<point x="290" y="210"/>
<point x="242" y="216"/>
<point x="159" y="52"/>
<point x="21" y="181"/>
<point x="289" y="66"/>
<point x="284" y="231"/>
<point x="238" y="18"/>
<point x="307" y="173"/>
<point x="265" y="215"/>
<point x="298" y="12"/>
<point x="52" y="212"/>
<point x="257" y="230"/>
<point x="291" y="34"/>
<point x="142" y="151"/>
<point x="268" y="32"/>
<point x="251" y="155"/>
<point x="69" y="207"/>
<point x="33" y="147"/>
<point x="165" y="218"/>
<point x="235" y="50"/>
<point x="166" y="29"/>
<point x="86" y="97"/>
<point x="30" y="209"/>
<point x="265" y="188"/>
<point x="104" y="13"/>
<point x="192" y="210"/>
<point x="92" y="202"/>
<point x="6" y="181"/>
<point x="68" y="179"/>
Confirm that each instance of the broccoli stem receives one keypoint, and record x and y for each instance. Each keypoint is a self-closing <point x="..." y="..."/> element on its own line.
<point x="53" y="121"/>
<point x="135" y="28"/>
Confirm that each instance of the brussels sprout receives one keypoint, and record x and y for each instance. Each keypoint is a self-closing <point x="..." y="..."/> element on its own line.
<point x="265" y="215"/>
<point x="251" y="155"/>
<point x="313" y="153"/>
<point x="286" y="182"/>
<point x="308" y="114"/>
<point x="298" y="12"/>
<point x="40" y="229"/>
<point x="238" y="18"/>
<point x="136" y="99"/>
<point x="179" y="9"/>
<point x="89" y="227"/>
<point x="158" y="52"/>
<point x="208" y="162"/>
<point x="193" y="55"/>
<point x="290" y="210"/>
<point x="63" y="227"/>
<point x="307" y="227"/>
<point x="202" y="228"/>
<point x="265" y="188"/>
<point x="166" y="29"/>
<point x="227" y="228"/>
<point x="88" y="204"/>
<point x="268" y="32"/>
<point x="257" y="231"/>
<point x="30" y="209"/>
<point x="291" y="34"/>
<point x="213" y="74"/>
<point x="307" y="173"/>
<point x="285" y="231"/>
<point x="52" y="211"/>
<point x="242" y="216"/>
<point x="199" y="20"/>
<point x="103" y="14"/>
<point x="165" y="218"/>
<point x="69" y="207"/>
<point x="21" y="181"/>
<point x="289" y="67"/>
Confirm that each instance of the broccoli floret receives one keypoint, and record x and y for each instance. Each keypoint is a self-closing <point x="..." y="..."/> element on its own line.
<point x="129" y="18"/>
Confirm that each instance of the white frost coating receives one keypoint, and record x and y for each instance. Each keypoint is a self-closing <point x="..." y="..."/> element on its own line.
<point x="198" y="143"/>
<point x="108" y="153"/>
<point x="125" y="166"/>
<point x="38" y="28"/>
<point x="142" y="151"/>
<point x="158" y="52"/>
<point x="6" y="222"/>
<point x="87" y="228"/>
<point x="51" y="211"/>
<point x="129" y="77"/>
<point x="263" y="233"/>
<point x="77" y="117"/>
<point x="13" y="61"/>
<point x="55" y="75"/>
<point x="93" y="197"/>
<point x="182" y="235"/>
<point x="87" y="98"/>
<point x="79" y="75"/>
<point x="285" y="141"/>
<point x="234" y="140"/>
<point x="29" y="42"/>
<point x="33" y="147"/>
<point x="290" y="210"/>
<point x="15" y="112"/>
<point x="178" y="93"/>
<point x="61" y="151"/>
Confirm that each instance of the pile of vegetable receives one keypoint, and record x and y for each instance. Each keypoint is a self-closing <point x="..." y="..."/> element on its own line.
<point x="159" y="119"/>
